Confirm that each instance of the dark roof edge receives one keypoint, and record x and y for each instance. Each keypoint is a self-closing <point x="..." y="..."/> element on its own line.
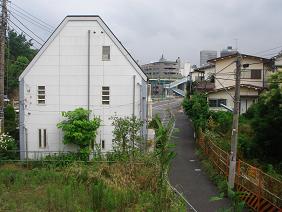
<point x="241" y="85"/>
<point x="233" y="55"/>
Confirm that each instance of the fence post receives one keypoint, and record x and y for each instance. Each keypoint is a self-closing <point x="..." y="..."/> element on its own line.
<point x="227" y="165"/>
<point x="238" y="171"/>
<point x="259" y="188"/>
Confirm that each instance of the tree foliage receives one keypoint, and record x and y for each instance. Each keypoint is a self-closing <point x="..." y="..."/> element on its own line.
<point x="10" y="121"/>
<point x="126" y="133"/>
<point x="19" y="52"/>
<point x="196" y="107"/>
<point x="266" y="121"/>
<point x="14" y="71"/>
<point x="78" y="129"/>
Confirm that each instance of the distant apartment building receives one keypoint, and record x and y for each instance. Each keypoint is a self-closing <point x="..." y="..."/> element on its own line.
<point x="228" y="51"/>
<point x="206" y="55"/>
<point x="163" y="69"/>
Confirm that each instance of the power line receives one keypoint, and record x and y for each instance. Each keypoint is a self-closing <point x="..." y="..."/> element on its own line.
<point x="268" y="50"/>
<point x="25" y="26"/>
<point x="32" y="15"/>
<point x="225" y="88"/>
<point x="30" y="20"/>
<point x="225" y="67"/>
<point x="24" y="32"/>
<point x="247" y="80"/>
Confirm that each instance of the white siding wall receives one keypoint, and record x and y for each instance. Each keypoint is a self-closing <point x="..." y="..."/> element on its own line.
<point x="62" y="68"/>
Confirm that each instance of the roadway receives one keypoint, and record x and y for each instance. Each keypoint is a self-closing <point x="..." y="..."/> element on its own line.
<point x="186" y="173"/>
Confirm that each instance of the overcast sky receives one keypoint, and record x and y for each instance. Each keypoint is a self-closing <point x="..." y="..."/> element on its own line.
<point x="175" y="28"/>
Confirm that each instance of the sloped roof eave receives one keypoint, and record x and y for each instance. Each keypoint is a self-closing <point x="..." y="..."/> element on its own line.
<point x="82" y="18"/>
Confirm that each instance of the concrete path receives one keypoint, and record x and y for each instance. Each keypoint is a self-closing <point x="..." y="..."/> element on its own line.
<point x="186" y="174"/>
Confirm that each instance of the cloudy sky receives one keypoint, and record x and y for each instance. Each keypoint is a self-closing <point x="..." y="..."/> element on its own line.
<point x="149" y="28"/>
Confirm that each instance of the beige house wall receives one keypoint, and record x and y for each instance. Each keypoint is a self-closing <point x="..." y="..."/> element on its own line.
<point x="248" y="97"/>
<point x="226" y="77"/>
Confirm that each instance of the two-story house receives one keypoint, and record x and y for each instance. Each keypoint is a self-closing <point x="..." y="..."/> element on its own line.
<point x="253" y="80"/>
<point x="82" y="64"/>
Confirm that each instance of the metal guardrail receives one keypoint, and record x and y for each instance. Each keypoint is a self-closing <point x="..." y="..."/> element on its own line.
<point x="190" y="206"/>
<point x="264" y="192"/>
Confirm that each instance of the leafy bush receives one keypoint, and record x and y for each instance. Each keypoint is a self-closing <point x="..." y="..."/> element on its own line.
<point x="79" y="129"/>
<point x="223" y="121"/>
<point x="265" y="118"/>
<point x="197" y="109"/>
<point x="8" y="147"/>
<point x="126" y="133"/>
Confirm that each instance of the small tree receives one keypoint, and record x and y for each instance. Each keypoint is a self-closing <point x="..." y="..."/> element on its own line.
<point x="126" y="133"/>
<point x="78" y="129"/>
<point x="164" y="151"/>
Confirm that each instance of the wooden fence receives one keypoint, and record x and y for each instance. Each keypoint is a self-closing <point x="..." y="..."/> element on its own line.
<point x="260" y="191"/>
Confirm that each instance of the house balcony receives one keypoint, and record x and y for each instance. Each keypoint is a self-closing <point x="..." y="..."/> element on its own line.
<point x="204" y="86"/>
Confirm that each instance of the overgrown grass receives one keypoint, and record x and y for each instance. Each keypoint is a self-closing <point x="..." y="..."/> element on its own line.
<point x="116" y="186"/>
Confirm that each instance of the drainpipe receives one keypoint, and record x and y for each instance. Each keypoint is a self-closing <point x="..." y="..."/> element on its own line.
<point x="88" y="74"/>
<point x="26" y="145"/>
<point x="133" y="105"/>
<point x="263" y="84"/>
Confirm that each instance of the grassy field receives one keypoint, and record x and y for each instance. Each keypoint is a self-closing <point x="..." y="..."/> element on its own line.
<point x="97" y="187"/>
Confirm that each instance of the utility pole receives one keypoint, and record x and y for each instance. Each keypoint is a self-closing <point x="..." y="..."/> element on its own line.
<point x="234" y="136"/>
<point x="3" y="28"/>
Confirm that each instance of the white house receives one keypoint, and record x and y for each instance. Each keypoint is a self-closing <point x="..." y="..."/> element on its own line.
<point x="82" y="64"/>
<point x="253" y="80"/>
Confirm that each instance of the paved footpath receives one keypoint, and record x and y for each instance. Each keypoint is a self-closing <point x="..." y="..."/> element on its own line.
<point x="186" y="174"/>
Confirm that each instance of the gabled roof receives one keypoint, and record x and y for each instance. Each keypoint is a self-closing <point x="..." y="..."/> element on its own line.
<point x="203" y="68"/>
<point x="85" y="18"/>
<point x="233" y="86"/>
<point x="235" y="55"/>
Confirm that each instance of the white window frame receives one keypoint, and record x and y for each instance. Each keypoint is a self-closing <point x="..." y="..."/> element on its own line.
<point x="106" y="57"/>
<point x="42" y="138"/>
<point x="105" y="95"/>
<point x="39" y="95"/>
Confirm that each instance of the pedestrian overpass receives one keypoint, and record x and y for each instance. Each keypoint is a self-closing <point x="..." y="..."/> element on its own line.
<point x="177" y="87"/>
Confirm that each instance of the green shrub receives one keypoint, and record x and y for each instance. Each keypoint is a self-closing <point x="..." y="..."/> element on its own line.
<point x="8" y="147"/>
<point x="79" y="129"/>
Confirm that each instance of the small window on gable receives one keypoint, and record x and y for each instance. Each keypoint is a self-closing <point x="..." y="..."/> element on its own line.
<point x="105" y="95"/>
<point x="41" y="95"/>
<point x="42" y="138"/>
<point x="106" y="53"/>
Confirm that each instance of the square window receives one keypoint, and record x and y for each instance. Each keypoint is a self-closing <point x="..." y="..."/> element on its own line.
<point x="106" y="53"/>
<point x="105" y="95"/>
<point x="255" y="74"/>
<point x="41" y="94"/>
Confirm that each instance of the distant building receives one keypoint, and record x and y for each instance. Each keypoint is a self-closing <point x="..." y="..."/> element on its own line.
<point x="228" y="51"/>
<point x="163" y="69"/>
<point x="206" y="55"/>
<point x="164" y="72"/>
